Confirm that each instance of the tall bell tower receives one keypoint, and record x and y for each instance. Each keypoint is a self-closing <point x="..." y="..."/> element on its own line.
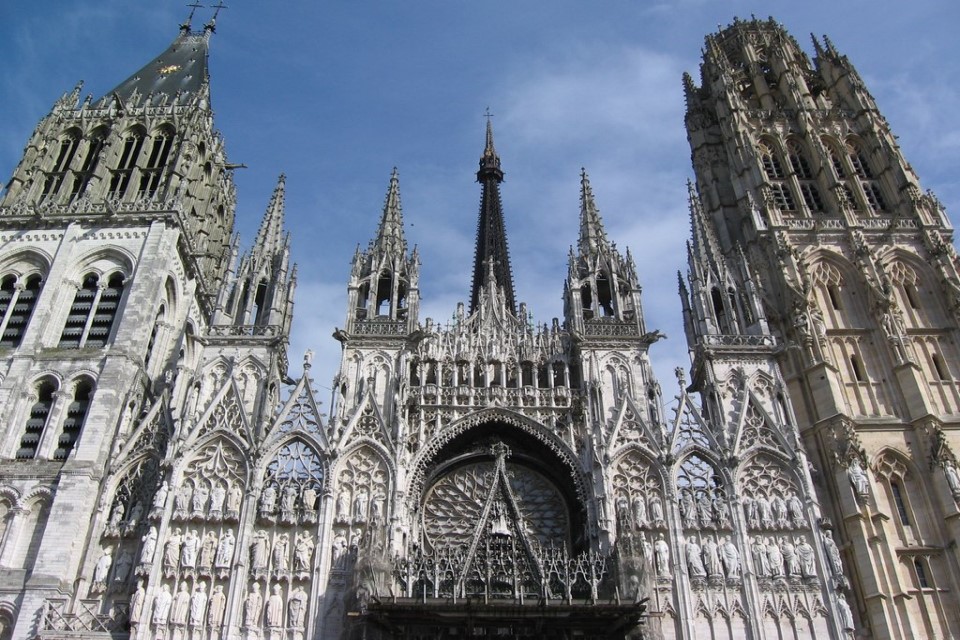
<point x="849" y="268"/>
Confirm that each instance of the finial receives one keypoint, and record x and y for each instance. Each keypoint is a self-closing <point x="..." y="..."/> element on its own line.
<point x="488" y="150"/>
<point x="212" y="25"/>
<point x="185" y="27"/>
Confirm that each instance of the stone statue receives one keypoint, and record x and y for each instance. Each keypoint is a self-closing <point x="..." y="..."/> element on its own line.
<point x="259" y="551"/>
<point x="342" y="515"/>
<point x="200" y="497"/>
<point x="731" y="558"/>
<point x="779" y="507"/>
<point x="688" y="510"/>
<point x="122" y="568"/>
<point x="376" y="508"/>
<point x="217" y="497"/>
<point x="721" y="512"/>
<point x="639" y="511"/>
<point x="181" y="606"/>
<point x="208" y="550"/>
<point x="791" y="562"/>
<point x="765" y="511"/>
<point x="149" y="540"/>
<point x="805" y="556"/>
<point x="774" y="559"/>
<point x="234" y="498"/>
<point x="198" y="605"/>
<point x="275" y="608"/>
<point x="833" y="553"/>
<point x="268" y="501"/>
<point x="760" y="561"/>
<point x="953" y="479"/>
<point x="102" y="569"/>
<point x="188" y="553"/>
<point x="181" y="503"/>
<point x="289" y="500"/>
<point x="252" y="607"/>
<point x="751" y="513"/>
<point x="116" y="518"/>
<point x="161" y="606"/>
<point x="225" y="550"/>
<point x="281" y="552"/>
<point x="704" y="509"/>
<point x="360" y="507"/>
<point x="218" y="606"/>
<point x="656" y="510"/>
<point x="858" y="478"/>
<point x="309" y="499"/>
<point x="171" y="553"/>
<point x="711" y="558"/>
<point x="303" y="553"/>
<point x="846" y="615"/>
<point x="160" y="497"/>
<point x="795" y="508"/>
<point x="135" y="514"/>
<point x="297" y="608"/>
<point x="136" y="603"/>
<point x="694" y="560"/>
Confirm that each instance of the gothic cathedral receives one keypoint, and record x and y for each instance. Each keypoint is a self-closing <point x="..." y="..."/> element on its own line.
<point x="166" y="474"/>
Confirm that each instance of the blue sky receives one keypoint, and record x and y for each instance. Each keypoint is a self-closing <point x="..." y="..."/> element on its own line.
<point x="336" y="93"/>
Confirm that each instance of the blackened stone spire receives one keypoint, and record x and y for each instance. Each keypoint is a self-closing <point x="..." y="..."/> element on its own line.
<point x="491" y="233"/>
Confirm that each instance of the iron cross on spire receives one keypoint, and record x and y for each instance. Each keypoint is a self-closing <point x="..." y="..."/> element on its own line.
<point x="193" y="10"/>
<point x="487" y="115"/>
<point x="211" y="26"/>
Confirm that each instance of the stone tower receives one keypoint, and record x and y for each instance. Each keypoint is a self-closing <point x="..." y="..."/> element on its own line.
<point x="819" y="266"/>
<point x="141" y="364"/>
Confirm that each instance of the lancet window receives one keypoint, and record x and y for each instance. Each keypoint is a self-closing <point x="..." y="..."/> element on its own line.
<point x="18" y="297"/>
<point x="93" y="311"/>
<point x="66" y="150"/>
<point x="127" y="162"/>
<point x="776" y="178"/>
<point x="157" y="161"/>
<point x="37" y="418"/>
<point x="74" y="420"/>
<point x="81" y="178"/>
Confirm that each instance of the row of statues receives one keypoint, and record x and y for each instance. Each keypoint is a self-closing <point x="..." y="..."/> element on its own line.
<point x="361" y="509"/>
<point x="786" y="559"/>
<point x="276" y="557"/>
<point x="198" y="499"/>
<point x="189" y="553"/>
<point x="712" y="559"/>
<point x="704" y="509"/>
<point x="295" y="504"/>
<point x="641" y="513"/>
<point x="775" y="512"/>
<point x="122" y="523"/>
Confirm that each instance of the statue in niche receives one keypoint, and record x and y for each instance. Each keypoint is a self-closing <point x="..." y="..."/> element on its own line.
<point x="281" y="553"/>
<point x="796" y="511"/>
<point x="133" y="521"/>
<point x="198" y="605"/>
<point x="121" y="570"/>
<point x="225" y="550"/>
<point x="765" y="511"/>
<point x="688" y="509"/>
<point x="858" y="478"/>
<point x="137" y="599"/>
<point x="360" y="506"/>
<point x="309" y="499"/>
<point x="116" y="519"/>
<point x="779" y="507"/>
<point x="200" y="497"/>
<point x="694" y="559"/>
<point x="268" y="501"/>
<point x="751" y="513"/>
<point x="303" y="553"/>
<point x="218" y="607"/>
<point x="774" y="559"/>
<point x="623" y="512"/>
<point x="217" y="497"/>
<point x="101" y="571"/>
<point x="188" y="551"/>
<point x="171" y="554"/>
<point x="159" y="500"/>
<point x="846" y="615"/>
<point x="721" y="511"/>
<point x="234" y="498"/>
<point x="252" y="607"/>
<point x="341" y="504"/>
<point x="181" y="502"/>
<point x="656" y="510"/>
<point x="953" y="479"/>
<point x="161" y="606"/>
<point x="339" y="551"/>
<point x="260" y="552"/>
<point x="833" y="554"/>
<point x="760" y="560"/>
<point x="376" y="508"/>
<point x="704" y="509"/>
<point x="647" y="548"/>
<point x="289" y="500"/>
<point x="790" y="559"/>
<point x="181" y="606"/>
<point x="639" y="511"/>
<point x="297" y="608"/>
<point x="149" y="540"/>
<point x="208" y="551"/>
<point x="731" y="558"/>
<point x="805" y="556"/>
<point x="275" y="610"/>
<point x="711" y="558"/>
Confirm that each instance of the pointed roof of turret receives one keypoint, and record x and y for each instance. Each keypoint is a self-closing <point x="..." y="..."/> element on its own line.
<point x="592" y="235"/>
<point x="705" y="244"/>
<point x="181" y="69"/>
<point x="491" y="232"/>
<point x="390" y="236"/>
<point x="270" y="237"/>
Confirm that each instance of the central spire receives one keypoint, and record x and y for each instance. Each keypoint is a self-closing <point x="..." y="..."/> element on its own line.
<point x="491" y="260"/>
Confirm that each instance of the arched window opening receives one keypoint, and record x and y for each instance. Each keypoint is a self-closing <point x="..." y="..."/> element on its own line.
<point x="900" y="503"/>
<point x="16" y="307"/>
<point x="479" y="375"/>
<point x="31" y="535"/>
<point x="55" y="177"/>
<point x="430" y="368"/>
<point x="782" y="198"/>
<point x="558" y="377"/>
<point x="734" y="305"/>
<point x="91" y="159"/>
<point x="586" y="301"/>
<point x="73" y="423"/>
<point x="414" y="374"/>
<point x="543" y="376"/>
<point x="940" y="368"/>
<point x="604" y="294"/>
<point x="720" y="311"/>
<point x="771" y="163"/>
<point x="37" y="420"/>
<point x="151" y="343"/>
<point x="156" y="161"/>
<point x="922" y="580"/>
<point x="526" y="374"/>
<point x="837" y="164"/>
<point x="874" y="196"/>
<point x="362" y="294"/>
<point x="861" y="167"/>
<point x="120" y="178"/>
<point x="856" y="365"/>
<point x="798" y="161"/>
<point x="911" y="294"/>
<point x="384" y="292"/>
<point x="811" y="197"/>
<point x="836" y="300"/>
<point x="259" y="303"/>
<point x="401" y="301"/>
<point x="93" y="312"/>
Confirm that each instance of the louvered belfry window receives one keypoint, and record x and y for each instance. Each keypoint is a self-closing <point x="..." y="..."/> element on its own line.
<point x="16" y="307"/>
<point x="73" y="422"/>
<point x="93" y="312"/>
<point x="36" y="420"/>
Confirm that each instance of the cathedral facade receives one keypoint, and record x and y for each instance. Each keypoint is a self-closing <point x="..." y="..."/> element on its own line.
<point x="165" y="473"/>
